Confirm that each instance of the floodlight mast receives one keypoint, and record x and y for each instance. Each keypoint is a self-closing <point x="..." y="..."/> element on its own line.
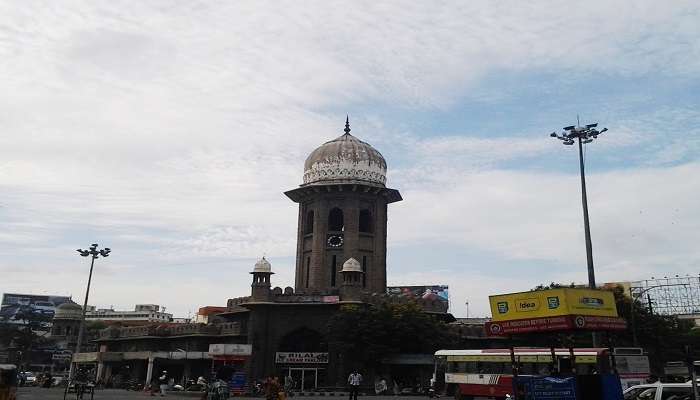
<point x="94" y="253"/>
<point x="584" y="135"/>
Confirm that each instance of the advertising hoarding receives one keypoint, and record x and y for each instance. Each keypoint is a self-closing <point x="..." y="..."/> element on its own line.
<point x="552" y="303"/>
<point x="434" y="292"/>
<point x="554" y="324"/>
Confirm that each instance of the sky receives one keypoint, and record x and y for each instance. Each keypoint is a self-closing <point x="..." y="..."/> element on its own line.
<point x="169" y="130"/>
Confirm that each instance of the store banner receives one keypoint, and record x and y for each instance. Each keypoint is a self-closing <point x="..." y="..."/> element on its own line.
<point x="301" y="358"/>
<point x="230" y="349"/>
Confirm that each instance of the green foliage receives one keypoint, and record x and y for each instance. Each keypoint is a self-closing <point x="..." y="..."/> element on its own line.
<point x="662" y="336"/>
<point x="365" y="335"/>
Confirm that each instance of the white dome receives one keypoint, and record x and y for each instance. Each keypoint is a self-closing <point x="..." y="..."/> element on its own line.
<point x="345" y="159"/>
<point x="68" y="310"/>
<point x="351" y="265"/>
<point x="263" y="266"/>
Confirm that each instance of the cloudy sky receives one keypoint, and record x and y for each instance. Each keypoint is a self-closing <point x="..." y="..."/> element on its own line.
<point x="169" y="130"/>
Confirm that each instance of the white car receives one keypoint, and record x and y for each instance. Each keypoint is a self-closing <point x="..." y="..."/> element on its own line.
<point x="660" y="391"/>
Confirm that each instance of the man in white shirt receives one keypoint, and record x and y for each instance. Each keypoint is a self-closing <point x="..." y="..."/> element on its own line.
<point x="354" y="380"/>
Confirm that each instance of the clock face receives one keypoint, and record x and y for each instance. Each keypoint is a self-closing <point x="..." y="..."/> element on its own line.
<point x="335" y="241"/>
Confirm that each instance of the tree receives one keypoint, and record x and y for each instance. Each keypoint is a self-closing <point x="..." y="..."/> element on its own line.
<point x="662" y="336"/>
<point x="367" y="334"/>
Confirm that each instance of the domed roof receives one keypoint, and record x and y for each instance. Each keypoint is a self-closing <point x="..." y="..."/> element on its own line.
<point x="263" y="266"/>
<point x="345" y="159"/>
<point x="69" y="310"/>
<point x="351" y="265"/>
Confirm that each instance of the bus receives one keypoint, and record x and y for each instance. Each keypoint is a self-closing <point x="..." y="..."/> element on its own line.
<point x="632" y="365"/>
<point x="488" y="372"/>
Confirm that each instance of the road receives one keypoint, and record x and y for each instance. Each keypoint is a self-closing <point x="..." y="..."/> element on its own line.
<point x="35" y="393"/>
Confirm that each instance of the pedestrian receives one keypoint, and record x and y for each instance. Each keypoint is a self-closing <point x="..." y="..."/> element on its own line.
<point x="354" y="380"/>
<point x="163" y="382"/>
<point x="269" y="389"/>
<point x="288" y="384"/>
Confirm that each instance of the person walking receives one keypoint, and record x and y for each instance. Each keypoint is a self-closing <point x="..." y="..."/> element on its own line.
<point x="354" y="380"/>
<point x="163" y="382"/>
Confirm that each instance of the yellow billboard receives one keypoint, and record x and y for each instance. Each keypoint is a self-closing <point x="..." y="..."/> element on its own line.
<point x="553" y="303"/>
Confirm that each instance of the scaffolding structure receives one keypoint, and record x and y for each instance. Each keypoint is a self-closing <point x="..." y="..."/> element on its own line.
<point x="669" y="296"/>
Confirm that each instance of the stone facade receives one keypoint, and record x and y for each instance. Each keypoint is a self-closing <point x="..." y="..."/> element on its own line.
<point x="341" y="259"/>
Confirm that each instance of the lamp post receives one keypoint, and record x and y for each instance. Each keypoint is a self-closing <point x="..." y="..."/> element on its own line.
<point x="584" y="135"/>
<point x="94" y="254"/>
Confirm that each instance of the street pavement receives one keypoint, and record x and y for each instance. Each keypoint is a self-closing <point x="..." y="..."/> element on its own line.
<point x="35" y="393"/>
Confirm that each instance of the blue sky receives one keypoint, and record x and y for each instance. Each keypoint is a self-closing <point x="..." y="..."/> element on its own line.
<point x="169" y="130"/>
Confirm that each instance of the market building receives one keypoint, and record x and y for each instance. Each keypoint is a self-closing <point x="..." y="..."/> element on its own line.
<point x="340" y="260"/>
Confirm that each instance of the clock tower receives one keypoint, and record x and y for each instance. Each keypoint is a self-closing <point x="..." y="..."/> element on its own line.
<point x="342" y="215"/>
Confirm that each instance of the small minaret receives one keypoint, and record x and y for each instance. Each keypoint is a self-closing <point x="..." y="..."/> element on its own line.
<point x="261" y="281"/>
<point x="351" y="288"/>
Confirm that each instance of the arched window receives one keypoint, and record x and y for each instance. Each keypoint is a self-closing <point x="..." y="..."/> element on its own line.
<point x="335" y="220"/>
<point x="68" y="331"/>
<point x="309" y="223"/>
<point x="365" y="221"/>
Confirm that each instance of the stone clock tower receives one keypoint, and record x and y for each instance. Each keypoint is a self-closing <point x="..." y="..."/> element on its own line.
<point x="342" y="215"/>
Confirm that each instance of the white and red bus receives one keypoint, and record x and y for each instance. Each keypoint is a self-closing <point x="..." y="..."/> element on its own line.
<point x="488" y="372"/>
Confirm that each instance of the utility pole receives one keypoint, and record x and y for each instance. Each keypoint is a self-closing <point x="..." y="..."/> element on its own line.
<point x="94" y="254"/>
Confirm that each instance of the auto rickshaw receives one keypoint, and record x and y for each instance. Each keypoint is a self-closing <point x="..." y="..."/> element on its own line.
<point x="8" y="382"/>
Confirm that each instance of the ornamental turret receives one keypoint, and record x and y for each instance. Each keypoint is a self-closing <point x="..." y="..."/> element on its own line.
<point x="260" y="288"/>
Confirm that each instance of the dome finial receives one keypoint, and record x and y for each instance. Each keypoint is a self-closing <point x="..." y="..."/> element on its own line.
<point x="347" y="124"/>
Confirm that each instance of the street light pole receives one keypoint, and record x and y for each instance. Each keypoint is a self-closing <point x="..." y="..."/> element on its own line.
<point x="586" y="224"/>
<point x="584" y="135"/>
<point x="94" y="254"/>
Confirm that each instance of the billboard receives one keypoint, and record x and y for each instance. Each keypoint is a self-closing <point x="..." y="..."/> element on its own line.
<point x="552" y="303"/>
<point x="434" y="292"/>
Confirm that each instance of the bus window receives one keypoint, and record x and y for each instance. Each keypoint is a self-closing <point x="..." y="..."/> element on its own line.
<point x="494" y="368"/>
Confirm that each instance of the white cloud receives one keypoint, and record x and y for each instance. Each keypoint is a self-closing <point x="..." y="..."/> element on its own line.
<point x="170" y="130"/>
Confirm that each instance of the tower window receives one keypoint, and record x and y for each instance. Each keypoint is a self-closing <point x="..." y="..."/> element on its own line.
<point x="333" y="271"/>
<point x="309" y="223"/>
<point x="335" y="220"/>
<point x="308" y="266"/>
<point x="364" y="269"/>
<point x="365" y="221"/>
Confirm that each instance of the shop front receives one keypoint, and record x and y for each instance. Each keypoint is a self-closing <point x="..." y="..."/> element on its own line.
<point x="230" y="363"/>
<point x="307" y="370"/>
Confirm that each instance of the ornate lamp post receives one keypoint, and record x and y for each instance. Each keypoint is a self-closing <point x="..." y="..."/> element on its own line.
<point x="94" y="253"/>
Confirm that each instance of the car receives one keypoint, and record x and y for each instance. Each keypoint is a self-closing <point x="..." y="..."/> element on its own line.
<point x="29" y="379"/>
<point x="660" y="391"/>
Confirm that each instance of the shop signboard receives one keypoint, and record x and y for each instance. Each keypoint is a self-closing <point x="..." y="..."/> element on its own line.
<point x="301" y="358"/>
<point x="230" y="349"/>
<point x="552" y="303"/>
